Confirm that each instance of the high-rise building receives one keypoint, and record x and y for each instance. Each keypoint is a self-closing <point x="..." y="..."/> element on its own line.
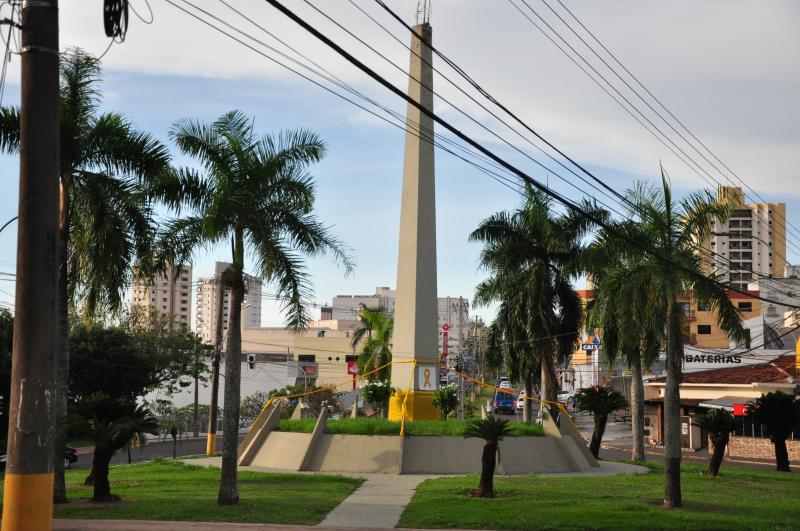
<point x="752" y="243"/>
<point x="208" y="293"/>
<point x="168" y="294"/>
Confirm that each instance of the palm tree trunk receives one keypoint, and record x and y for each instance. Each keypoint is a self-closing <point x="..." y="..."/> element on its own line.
<point x="102" y="487"/>
<point x="637" y="408"/>
<point x="781" y="454"/>
<point x="488" y="461"/>
<point x="672" y="411"/>
<point x="719" y="442"/>
<point x="549" y="386"/>
<point x="228" y="486"/>
<point x="526" y="408"/>
<point x="600" y="420"/>
<point x="62" y="354"/>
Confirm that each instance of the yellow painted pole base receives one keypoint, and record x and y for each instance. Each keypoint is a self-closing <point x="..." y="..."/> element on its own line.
<point x="211" y="444"/>
<point x="27" y="502"/>
<point x="419" y="406"/>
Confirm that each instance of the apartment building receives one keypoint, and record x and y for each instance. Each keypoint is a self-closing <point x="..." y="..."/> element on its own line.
<point x="207" y="296"/>
<point x="168" y="294"/>
<point x="751" y="243"/>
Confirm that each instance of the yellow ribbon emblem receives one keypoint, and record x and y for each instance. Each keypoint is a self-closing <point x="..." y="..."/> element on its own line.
<point x="426" y="378"/>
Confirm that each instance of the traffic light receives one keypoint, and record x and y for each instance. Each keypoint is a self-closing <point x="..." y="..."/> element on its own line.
<point x="251" y="361"/>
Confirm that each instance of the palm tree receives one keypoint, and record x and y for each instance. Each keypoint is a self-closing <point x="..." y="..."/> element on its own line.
<point x="532" y="255"/>
<point x="374" y="337"/>
<point x="492" y="430"/>
<point x="670" y="231"/>
<point x="780" y="414"/>
<point x="719" y="424"/>
<point x="112" y="424"/>
<point x="631" y="331"/>
<point x="258" y="196"/>
<point x="601" y="400"/>
<point x="105" y="222"/>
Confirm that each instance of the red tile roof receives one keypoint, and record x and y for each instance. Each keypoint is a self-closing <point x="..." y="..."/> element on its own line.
<point x="779" y="371"/>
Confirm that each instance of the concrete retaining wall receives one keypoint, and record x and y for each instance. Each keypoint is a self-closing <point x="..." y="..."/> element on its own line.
<point x="282" y="450"/>
<point x="379" y="454"/>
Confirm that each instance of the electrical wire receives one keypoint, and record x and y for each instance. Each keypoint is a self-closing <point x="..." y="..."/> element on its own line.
<point x="661" y="104"/>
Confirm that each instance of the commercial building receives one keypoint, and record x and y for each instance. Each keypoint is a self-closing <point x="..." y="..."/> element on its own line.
<point x="730" y="388"/>
<point x="208" y="293"/>
<point x="751" y="243"/>
<point x="168" y="294"/>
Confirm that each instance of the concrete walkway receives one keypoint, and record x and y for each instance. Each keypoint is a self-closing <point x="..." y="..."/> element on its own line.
<point x="377" y="503"/>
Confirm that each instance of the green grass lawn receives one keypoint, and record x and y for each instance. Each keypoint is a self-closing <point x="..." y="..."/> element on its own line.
<point x="738" y="499"/>
<point x="169" y="490"/>
<point x="369" y="426"/>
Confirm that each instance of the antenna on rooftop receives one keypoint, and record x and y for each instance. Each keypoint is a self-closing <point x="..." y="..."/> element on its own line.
<point x="424" y="8"/>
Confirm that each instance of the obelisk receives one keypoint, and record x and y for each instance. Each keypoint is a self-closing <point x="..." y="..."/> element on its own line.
<point x="416" y="317"/>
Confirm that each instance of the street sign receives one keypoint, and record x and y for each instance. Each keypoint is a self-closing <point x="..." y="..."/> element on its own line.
<point x="352" y="367"/>
<point x="593" y="343"/>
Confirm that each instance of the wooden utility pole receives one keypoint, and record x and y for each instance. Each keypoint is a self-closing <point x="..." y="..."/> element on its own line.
<point x="211" y="444"/>
<point x="28" y="491"/>
<point x="196" y="412"/>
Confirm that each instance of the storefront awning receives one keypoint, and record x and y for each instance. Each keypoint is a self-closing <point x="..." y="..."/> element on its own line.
<point x="725" y="402"/>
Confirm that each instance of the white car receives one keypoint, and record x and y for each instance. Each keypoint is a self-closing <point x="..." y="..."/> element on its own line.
<point x="504" y="384"/>
<point x="521" y="401"/>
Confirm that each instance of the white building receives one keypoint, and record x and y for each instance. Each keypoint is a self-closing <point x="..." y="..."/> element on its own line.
<point x="784" y="290"/>
<point x="752" y="241"/>
<point x="208" y="293"/>
<point x="453" y="312"/>
<point x="167" y="294"/>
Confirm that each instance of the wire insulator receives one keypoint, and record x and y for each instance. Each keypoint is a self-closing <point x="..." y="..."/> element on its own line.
<point x="115" y="18"/>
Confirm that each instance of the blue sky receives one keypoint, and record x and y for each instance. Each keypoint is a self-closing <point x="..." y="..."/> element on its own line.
<point x="714" y="77"/>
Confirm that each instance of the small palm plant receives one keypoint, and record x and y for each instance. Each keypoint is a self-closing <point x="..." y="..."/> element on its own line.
<point x="111" y="423"/>
<point x="601" y="400"/>
<point x="719" y="424"/>
<point x="492" y="430"/>
<point x="374" y="338"/>
<point x="780" y="414"/>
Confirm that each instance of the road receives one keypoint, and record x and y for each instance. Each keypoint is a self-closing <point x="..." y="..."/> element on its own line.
<point x="152" y="450"/>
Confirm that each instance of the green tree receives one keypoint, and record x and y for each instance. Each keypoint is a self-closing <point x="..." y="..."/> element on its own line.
<point x="600" y="400"/>
<point x="532" y="255"/>
<point x="255" y="194"/>
<point x="374" y="338"/>
<point x="670" y="231"/>
<point x="111" y="423"/>
<point x="106" y="220"/>
<point x="251" y="407"/>
<point x="446" y="399"/>
<point x="719" y="424"/>
<point x="631" y="331"/>
<point x="492" y="430"/>
<point x="780" y="414"/>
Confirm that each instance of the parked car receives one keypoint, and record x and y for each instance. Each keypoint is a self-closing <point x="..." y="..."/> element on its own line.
<point x="521" y="401"/>
<point x="503" y="402"/>
<point x="70" y="457"/>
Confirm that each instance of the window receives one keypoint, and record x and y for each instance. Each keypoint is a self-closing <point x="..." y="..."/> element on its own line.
<point x="704" y="329"/>
<point x="745" y="306"/>
<point x="703" y="306"/>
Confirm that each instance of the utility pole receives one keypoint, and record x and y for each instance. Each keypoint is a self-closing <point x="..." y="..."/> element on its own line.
<point x="460" y="361"/>
<point x="196" y="412"/>
<point x="211" y="444"/>
<point x="28" y="491"/>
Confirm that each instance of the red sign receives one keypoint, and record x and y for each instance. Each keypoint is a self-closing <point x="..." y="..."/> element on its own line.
<point x="445" y="327"/>
<point x="352" y="367"/>
<point x="739" y="410"/>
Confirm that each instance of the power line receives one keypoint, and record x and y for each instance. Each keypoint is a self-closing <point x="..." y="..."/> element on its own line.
<point x="660" y="103"/>
<point x="666" y="137"/>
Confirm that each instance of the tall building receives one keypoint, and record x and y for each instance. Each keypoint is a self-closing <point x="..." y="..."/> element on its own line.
<point x="208" y="293"/>
<point x="168" y="294"/>
<point x="751" y="243"/>
<point x="451" y="311"/>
